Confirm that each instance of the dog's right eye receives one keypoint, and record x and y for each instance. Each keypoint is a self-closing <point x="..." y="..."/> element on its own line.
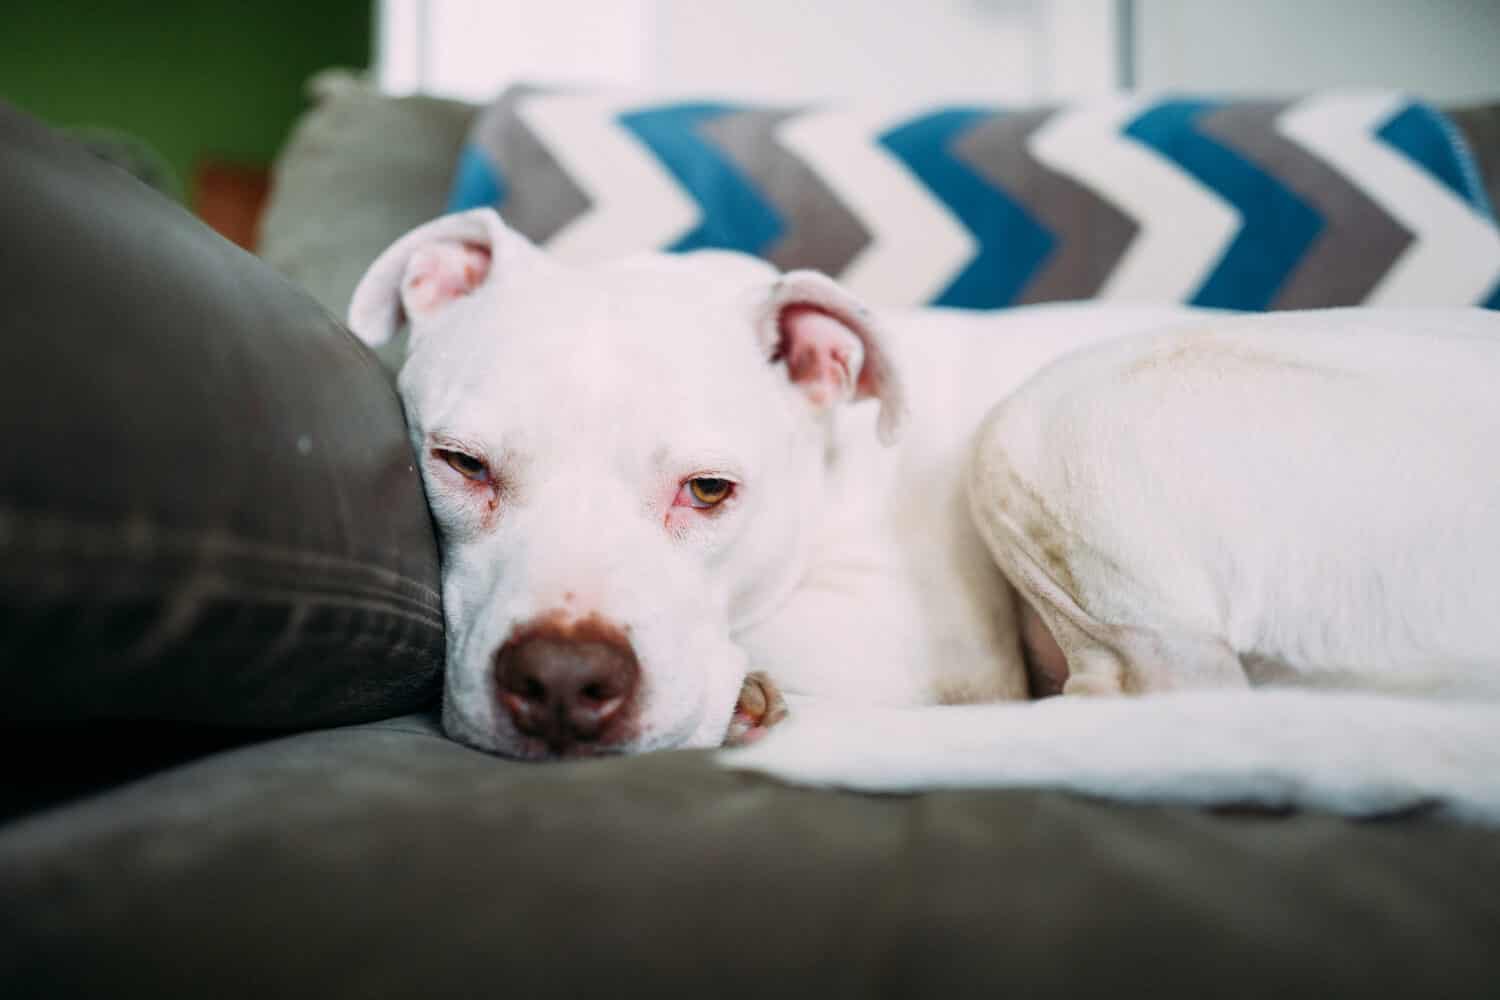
<point x="465" y="465"/>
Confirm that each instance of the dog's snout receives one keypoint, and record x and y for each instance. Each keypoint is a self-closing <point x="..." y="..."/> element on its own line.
<point x="568" y="684"/>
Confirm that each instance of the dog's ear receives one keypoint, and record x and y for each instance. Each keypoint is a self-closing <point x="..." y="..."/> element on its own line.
<point x="431" y="267"/>
<point x="831" y="345"/>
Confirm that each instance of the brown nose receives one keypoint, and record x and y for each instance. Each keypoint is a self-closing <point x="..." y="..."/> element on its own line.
<point x="568" y="683"/>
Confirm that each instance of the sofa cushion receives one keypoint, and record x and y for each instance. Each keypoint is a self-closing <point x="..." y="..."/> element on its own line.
<point x="386" y="861"/>
<point x="358" y="171"/>
<point x="208" y="509"/>
<point x="1331" y="199"/>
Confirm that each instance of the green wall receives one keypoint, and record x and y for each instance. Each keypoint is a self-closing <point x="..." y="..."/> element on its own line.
<point x="192" y="79"/>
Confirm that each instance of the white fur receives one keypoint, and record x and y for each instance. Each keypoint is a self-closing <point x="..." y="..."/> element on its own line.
<point x="1306" y="500"/>
<point x="1358" y="754"/>
<point x="1220" y="502"/>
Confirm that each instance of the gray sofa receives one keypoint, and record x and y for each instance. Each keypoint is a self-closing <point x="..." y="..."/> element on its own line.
<point x="220" y="646"/>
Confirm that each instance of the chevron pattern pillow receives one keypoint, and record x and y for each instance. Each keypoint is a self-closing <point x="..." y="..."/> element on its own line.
<point x="1333" y="199"/>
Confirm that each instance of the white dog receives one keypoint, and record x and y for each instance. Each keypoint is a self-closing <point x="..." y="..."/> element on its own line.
<point x="655" y="479"/>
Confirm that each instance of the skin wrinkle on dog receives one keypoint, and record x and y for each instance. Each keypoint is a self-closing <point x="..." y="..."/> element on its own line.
<point x="1208" y="352"/>
<point x="1170" y="502"/>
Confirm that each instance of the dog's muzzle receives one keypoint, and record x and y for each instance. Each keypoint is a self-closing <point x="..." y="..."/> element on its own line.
<point x="569" y="684"/>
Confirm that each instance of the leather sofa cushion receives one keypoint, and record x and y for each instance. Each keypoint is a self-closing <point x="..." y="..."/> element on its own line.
<point x="383" y="860"/>
<point x="208" y="509"/>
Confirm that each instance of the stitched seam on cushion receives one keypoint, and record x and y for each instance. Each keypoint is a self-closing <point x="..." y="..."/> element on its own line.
<point x="206" y="590"/>
<point x="312" y="621"/>
<point x="272" y="595"/>
<point x="53" y="531"/>
<point x="223" y="581"/>
<point x="234" y="579"/>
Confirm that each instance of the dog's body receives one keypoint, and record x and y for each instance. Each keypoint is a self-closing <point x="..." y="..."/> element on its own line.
<point x="898" y="601"/>
<point x="648" y="486"/>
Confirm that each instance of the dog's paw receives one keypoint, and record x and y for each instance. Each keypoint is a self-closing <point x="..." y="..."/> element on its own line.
<point x="760" y="707"/>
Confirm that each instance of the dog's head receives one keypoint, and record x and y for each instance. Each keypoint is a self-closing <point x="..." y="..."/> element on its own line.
<point x="625" y="464"/>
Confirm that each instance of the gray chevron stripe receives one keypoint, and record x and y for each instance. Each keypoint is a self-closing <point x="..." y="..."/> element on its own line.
<point x="1359" y="241"/>
<point x="1480" y="126"/>
<point x="1091" y="233"/>
<point x="822" y="233"/>
<point x="549" y="199"/>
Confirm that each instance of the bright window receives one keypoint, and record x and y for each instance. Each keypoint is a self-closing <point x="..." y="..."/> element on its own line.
<point x="1013" y="50"/>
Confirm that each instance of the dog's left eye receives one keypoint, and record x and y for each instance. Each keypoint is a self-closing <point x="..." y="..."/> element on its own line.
<point x="703" y="492"/>
<point x="465" y="465"/>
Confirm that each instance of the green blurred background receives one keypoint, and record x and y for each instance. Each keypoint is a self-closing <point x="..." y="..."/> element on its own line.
<point x="197" y="81"/>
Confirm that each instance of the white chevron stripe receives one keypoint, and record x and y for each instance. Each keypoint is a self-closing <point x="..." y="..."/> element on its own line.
<point x="916" y="245"/>
<point x="1455" y="256"/>
<point x="1184" y="226"/>
<point x="637" y="204"/>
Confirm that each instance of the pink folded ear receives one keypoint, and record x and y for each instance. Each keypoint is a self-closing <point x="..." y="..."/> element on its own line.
<point x="441" y="272"/>
<point x="430" y="268"/>
<point x="832" y="347"/>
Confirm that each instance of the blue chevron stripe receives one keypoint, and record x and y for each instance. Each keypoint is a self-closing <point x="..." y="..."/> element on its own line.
<point x="1493" y="302"/>
<point x="1426" y="138"/>
<point x="1012" y="245"/>
<point x="476" y="183"/>
<point x="734" y="215"/>
<point x="1276" y="226"/>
